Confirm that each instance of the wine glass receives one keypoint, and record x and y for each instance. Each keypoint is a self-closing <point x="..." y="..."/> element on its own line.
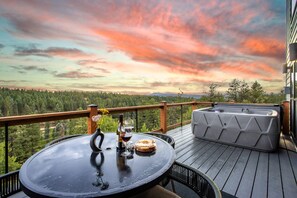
<point x="126" y="134"/>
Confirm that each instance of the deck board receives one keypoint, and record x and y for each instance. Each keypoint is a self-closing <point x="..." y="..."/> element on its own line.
<point x="260" y="183"/>
<point x="246" y="183"/>
<point x="206" y="155"/>
<point x="289" y="182"/>
<point x="239" y="171"/>
<point x="212" y="159"/>
<point x="293" y="162"/>
<point x="190" y="151"/>
<point x="218" y="165"/>
<point x="196" y="155"/>
<point x="223" y="175"/>
<point x="274" y="182"/>
<point x="233" y="181"/>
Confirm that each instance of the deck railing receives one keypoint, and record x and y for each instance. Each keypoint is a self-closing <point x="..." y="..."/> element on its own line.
<point x="93" y="110"/>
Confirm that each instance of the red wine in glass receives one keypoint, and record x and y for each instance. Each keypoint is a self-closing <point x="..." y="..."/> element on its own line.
<point x="126" y="138"/>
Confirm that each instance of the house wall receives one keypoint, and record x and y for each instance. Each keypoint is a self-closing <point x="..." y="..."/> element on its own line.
<point x="291" y="75"/>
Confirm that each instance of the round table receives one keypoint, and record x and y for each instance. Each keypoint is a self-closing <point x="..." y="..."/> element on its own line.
<point x="71" y="168"/>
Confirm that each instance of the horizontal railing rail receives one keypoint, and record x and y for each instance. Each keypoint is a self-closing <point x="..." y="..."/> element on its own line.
<point x="37" y="118"/>
<point x="132" y="108"/>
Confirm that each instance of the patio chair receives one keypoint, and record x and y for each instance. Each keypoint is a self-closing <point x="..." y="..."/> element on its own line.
<point x="9" y="184"/>
<point x="156" y="192"/>
<point x="184" y="182"/>
<point x="189" y="182"/>
<point x="167" y="138"/>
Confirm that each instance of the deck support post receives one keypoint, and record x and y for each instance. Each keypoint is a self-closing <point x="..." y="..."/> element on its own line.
<point x="92" y="125"/>
<point x="163" y="117"/>
<point x="286" y="117"/>
<point x="194" y="105"/>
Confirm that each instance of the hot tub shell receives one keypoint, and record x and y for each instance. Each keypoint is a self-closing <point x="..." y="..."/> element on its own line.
<point x="248" y="126"/>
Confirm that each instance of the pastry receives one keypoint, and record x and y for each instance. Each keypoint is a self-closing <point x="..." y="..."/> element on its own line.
<point x="145" y="145"/>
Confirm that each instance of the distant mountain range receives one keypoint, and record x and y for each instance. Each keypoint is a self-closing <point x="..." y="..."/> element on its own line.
<point x="196" y="96"/>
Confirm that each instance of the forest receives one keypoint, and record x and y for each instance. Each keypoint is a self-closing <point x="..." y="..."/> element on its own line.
<point x="25" y="140"/>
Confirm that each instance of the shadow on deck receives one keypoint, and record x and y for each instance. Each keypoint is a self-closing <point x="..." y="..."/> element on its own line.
<point x="238" y="171"/>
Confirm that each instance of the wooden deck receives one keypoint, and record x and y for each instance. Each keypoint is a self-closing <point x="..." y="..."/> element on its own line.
<point x="237" y="171"/>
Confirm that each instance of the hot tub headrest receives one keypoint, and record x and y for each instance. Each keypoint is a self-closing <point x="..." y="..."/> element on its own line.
<point x="275" y="107"/>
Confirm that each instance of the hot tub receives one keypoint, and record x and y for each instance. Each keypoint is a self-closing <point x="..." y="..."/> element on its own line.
<point x="251" y="126"/>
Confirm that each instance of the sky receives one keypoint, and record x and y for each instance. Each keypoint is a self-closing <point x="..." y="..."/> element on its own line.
<point x="141" y="47"/>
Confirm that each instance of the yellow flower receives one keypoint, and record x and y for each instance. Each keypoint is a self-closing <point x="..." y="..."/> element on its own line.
<point x="100" y="117"/>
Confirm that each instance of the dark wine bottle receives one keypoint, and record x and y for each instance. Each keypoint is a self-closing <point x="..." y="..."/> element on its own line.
<point x="120" y="146"/>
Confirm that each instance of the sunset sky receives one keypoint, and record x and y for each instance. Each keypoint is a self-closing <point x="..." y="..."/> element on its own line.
<point x="141" y="47"/>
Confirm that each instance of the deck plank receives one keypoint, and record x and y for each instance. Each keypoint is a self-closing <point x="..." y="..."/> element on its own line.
<point x="205" y="156"/>
<point x="181" y="136"/>
<point x="179" y="131"/>
<point x="190" y="151"/>
<point x="223" y="175"/>
<point x="218" y="165"/>
<point x="236" y="174"/>
<point x="183" y="140"/>
<point x="195" y="156"/>
<point x="212" y="159"/>
<point x="289" y="182"/>
<point x="274" y="184"/>
<point x="179" y="148"/>
<point x="293" y="162"/>
<point x="246" y="184"/>
<point x="261" y="179"/>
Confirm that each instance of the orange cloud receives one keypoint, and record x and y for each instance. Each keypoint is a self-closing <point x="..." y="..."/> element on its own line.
<point x="159" y="47"/>
<point x="250" y="70"/>
<point x="261" y="46"/>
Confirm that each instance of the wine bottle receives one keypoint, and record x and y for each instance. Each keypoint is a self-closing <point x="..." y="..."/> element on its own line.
<point x="120" y="146"/>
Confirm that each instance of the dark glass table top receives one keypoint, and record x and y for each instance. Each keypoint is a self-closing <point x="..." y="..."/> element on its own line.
<point x="70" y="168"/>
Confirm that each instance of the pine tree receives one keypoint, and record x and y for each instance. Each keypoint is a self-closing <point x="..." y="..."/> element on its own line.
<point x="257" y="94"/>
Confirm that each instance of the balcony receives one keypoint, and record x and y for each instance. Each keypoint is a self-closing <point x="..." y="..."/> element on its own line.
<point x="238" y="172"/>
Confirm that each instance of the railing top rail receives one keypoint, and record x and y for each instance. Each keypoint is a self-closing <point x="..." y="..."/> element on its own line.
<point x="35" y="118"/>
<point x="132" y="108"/>
<point x="45" y="117"/>
<point x="189" y="103"/>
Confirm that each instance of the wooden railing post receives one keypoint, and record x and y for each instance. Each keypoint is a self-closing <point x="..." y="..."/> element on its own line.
<point x="194" y="105"/>
<point x="286" y="117"/>
<point x="163" y="117"/>
<point x="92" y="125"/>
